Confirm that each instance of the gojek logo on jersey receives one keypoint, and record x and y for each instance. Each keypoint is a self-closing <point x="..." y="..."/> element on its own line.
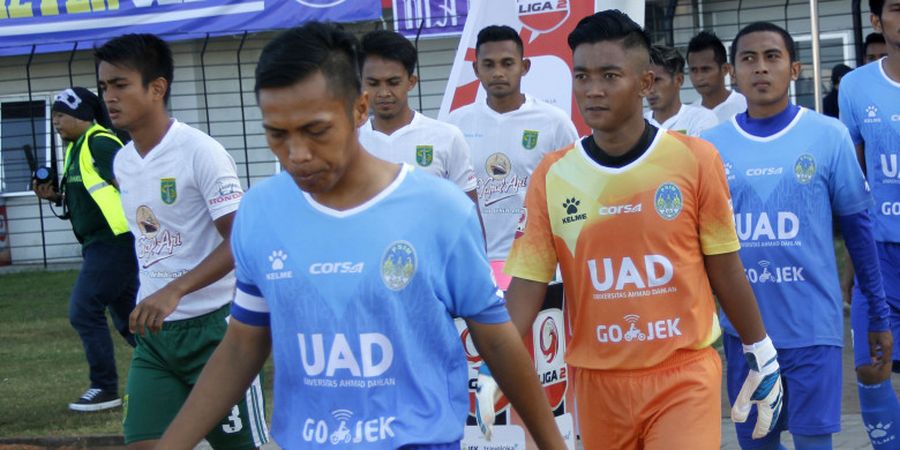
<point x="761" y="230"/>
<point x="767" y="273"/>
<point x="336" y="362"/>
<point x="623" y="279"/>
<point x="633" y="331"/>
<point x="337" y="431"/>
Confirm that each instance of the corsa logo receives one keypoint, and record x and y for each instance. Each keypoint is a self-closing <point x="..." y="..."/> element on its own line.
<point x="619" y="209"/>
<point x="656" y="271"/>
<point x="335" y="267"/>
<point x="370" y="356"/>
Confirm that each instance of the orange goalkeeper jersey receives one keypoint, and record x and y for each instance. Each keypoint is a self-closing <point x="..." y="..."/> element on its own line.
<point x="630" y="243"/>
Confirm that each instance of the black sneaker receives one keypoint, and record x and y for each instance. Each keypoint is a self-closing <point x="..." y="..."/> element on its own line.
<point x="96" y="400"/>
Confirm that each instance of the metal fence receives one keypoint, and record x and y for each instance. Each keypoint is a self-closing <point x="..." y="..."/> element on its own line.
<point x="213" y="91"/>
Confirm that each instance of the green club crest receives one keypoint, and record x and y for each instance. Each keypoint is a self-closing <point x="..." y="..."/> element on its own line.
<point x="805" y="168"/>
<point x="529" y="139"/>
<point x="424" y="155"/>
<point x="167" y="191"/>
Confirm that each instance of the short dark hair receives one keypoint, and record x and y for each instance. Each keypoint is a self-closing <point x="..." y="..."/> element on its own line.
<point x="705" y="40"/>
<point x="876" y="7"/>
<point x="315" y="47"/>
<point x="609" y="25"/>
<point x="873" y="38"/>
<point x="756" y="27"/>
<point x="499" y="33"/>
<point x="145" y="53"/>
<point x="668" y="58"/>
<point x="389" y="45"/>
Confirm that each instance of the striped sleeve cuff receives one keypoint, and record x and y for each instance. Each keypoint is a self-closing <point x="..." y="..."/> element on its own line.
<point x="249" y="307"/>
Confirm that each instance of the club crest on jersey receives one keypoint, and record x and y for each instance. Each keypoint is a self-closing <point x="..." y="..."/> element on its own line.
<point x="805" y="168"/>
<point x="424" y="155"/>
<point x="542" y="16"/>
<point x="498" y="166"/>
<point x="167" y="191"/>
<point x="529" y="139"/>
<point x="398" y="265"/>
<point x="668" y="201"/>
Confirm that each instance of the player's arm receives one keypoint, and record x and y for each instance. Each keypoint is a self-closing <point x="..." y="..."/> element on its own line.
<point x="501" y="348"/>
<point x="473" y="195"/>
<point x="523" y="301"/>
<point x="152" y="311"/>
<point x="224" y="380"/>
<point x="727" y="278"/>
<point x="861" y="156"/>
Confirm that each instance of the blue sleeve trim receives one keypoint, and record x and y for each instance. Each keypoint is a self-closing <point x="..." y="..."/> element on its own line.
<point x="248" y="317"/>
<point x="493" y="314"/>
<point x="860" y="240"/>
<point x="248" y="288"/>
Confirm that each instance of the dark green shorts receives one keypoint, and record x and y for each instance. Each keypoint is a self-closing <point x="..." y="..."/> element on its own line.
<point x="164" y="367"/>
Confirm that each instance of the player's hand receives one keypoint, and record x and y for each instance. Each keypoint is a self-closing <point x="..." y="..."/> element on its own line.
<point x="762" y="388"/>
<point x="150" y="313"/>
<point x="486" y="395"/>
<point x="44" y="190"/>
<point x="881" y="348"/>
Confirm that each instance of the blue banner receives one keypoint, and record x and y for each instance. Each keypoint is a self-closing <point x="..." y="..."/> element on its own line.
<point x="430" y="18"/>
<point x="55" y="25"/>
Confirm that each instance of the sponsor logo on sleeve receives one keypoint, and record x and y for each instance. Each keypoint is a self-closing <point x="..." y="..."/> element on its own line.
<point x="227" y="191"/>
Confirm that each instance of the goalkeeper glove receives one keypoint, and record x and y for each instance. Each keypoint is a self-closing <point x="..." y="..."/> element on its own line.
<point x="762" y="387"/>
<point x="486" y="395"/>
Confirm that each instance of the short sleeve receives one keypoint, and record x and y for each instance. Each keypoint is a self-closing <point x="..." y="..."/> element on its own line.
<point x="533" y="254"/>
<point x="566" y="134"/>
<point x="216" y="177"/>
<point x="715" y="213"/>
<point x="103" y="150"/>
<point x="847" y="185"/>
<point x="704" y="120"/>
<point x="459" y="168"/>
<point x="249" y="306"/>
<point x="848" y="113"/>
<point x="470" y="290"/>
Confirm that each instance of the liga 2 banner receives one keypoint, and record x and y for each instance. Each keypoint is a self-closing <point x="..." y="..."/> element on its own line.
<point x="55" y="25"/>
<point x="544" y="26"/>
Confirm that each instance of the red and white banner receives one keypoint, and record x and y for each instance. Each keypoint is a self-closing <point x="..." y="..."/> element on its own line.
<point x="544" y="26"/>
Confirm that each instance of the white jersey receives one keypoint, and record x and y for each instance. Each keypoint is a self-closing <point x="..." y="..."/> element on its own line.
<point x="690" y="120"/>
<point x="171" y="198"/>
<point x="436" y="147"/>
<point x="505" y="150"/>
<point x="736" y="103"/>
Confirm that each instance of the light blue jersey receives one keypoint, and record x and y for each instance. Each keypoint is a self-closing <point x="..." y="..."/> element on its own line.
<point x="870" y="107"/>
<point x="784" y="189"/>
<point x="361" y="304"/>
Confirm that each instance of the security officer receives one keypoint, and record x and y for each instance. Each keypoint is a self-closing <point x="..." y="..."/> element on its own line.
<point x="109" y="273"/>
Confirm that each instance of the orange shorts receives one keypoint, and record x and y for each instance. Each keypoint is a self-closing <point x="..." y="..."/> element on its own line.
<point x="673" y="405"/>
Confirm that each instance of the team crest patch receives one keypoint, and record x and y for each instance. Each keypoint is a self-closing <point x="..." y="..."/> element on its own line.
<point x="167" y="191"/>
<point x="805" y="168"/>
<point x="529" y="139"/>
<point x="668" y="201"/>
<point x="424" y="155"/>
<point x="398" y="265"/>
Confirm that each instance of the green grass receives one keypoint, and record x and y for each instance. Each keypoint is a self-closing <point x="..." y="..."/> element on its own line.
<point x="42" y="365"/>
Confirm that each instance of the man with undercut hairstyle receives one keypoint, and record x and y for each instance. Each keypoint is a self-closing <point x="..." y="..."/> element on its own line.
<point x="708" y="66"/>
<point x="666" y="110"/>
<point x="639" y="221"/>
<point x="790" y="170"/>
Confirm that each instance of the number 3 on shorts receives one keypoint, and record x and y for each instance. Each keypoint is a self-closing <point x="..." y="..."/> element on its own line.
<point x="234" y="421"/>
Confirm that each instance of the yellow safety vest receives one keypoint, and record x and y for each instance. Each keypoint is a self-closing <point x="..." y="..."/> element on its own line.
<point x="105" y="195"/>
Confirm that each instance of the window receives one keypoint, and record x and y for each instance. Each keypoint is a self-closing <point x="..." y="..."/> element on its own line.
<point x="25" y="142"/>
<point x="834" y="48"/>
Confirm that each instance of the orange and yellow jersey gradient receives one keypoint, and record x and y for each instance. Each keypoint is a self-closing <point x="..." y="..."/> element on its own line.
<point x="630" y="243"/>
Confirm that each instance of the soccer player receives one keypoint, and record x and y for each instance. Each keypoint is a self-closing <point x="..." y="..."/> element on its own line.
<point x="708" y="66"/>
<point x="790" y="169"/>
<point x="179" y="191"/>
<point x="508" y="135"/>
<point x="396" y="132"/>
<point x="108" y="279"/>
<point x="870" y="108"/>
<point x="874" y="47"/>
<point x="666" y="110"/>
<point x="356" y="303"/>
<point x="639" y="221"/>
